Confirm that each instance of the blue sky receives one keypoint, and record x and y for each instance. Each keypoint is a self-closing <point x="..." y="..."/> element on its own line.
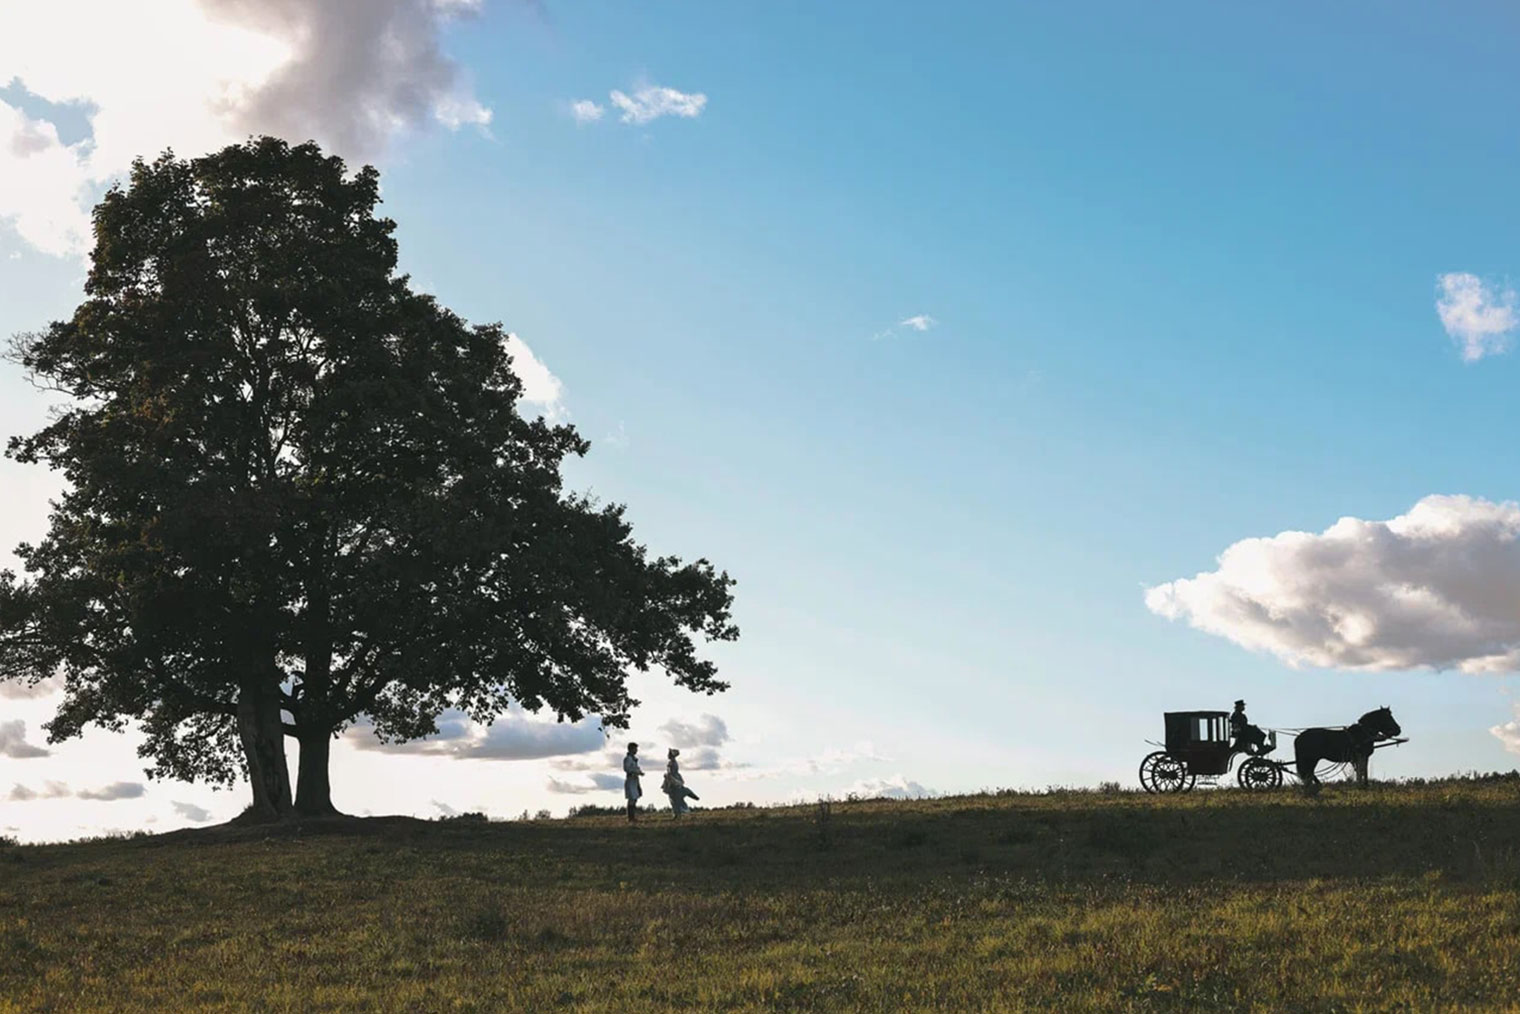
<point x="1182" y="266"/>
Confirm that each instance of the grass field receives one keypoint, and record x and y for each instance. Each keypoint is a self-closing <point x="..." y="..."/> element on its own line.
<point x="1399" y="898"/>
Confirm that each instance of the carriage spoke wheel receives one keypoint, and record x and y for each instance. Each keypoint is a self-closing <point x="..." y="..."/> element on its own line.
<point x="1162" y="772"/>
<point x="1259" y="773"/>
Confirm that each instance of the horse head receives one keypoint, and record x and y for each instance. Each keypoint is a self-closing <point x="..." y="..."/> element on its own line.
<point x="1380" y="723"/>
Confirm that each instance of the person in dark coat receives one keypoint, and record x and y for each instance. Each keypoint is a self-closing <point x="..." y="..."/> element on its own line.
<point x="1246" y="736"/>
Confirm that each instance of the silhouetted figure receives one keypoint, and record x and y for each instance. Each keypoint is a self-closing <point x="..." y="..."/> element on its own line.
<point x="1353" y="745"/>
<point x="631" y="775"/>
<point x="1247" y="737"/>
<point x="674" y="785"/>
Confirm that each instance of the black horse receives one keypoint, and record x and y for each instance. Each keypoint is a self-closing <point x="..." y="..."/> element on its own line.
<point x="1353" y="744"/>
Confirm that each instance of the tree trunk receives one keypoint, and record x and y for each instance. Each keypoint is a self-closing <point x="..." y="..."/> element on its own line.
<point x="313" y="790"/>
<point x="263" y="735"/>
<point x="314" y="733"/>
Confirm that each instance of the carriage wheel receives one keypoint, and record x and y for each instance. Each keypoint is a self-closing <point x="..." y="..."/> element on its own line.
<point x="1259" y="773"/>
<point x="1162" y="772"/>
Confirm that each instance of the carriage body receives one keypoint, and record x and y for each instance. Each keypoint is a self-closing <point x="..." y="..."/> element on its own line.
<point x="1198" y="745"/>
<point x="1201" y="739"/>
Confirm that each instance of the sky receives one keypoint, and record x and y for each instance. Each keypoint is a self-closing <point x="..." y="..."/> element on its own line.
<point x="1034" y="369"/>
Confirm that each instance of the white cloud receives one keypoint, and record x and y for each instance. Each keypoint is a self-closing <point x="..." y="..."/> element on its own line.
<point x="895" y="787"/>
<point x="455" y="111"/>
<point x="1509" y="732"/>
<point x="709" y="730"/>
<point x="1437" y="587"/>
<point x="199" y="74"/>
<point x="586" y="111"/>
<point x="707" y="758"/>
<point x="13" y="742"/>
<point x="42" y="187"/>
<point x="1479" y="318"/>
<point x="190" y="811"/>
<point x="514" y="736"/>
<point x="652" y="102"/>
<point x="50" y="790"/>
<point x="541" y="388"/>
<point x="19" y="690"/>
<point x="114" y="791"/>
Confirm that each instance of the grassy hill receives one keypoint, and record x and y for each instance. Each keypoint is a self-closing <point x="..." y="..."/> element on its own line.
<point x="1400" y="898"/>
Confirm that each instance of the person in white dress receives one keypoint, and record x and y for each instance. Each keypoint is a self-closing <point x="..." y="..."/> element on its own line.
<point x="674" y="785"/>
<point x="631" y="774"/>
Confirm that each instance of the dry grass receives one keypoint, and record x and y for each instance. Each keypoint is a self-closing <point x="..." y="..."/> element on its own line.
<point x="1400" y="898"/>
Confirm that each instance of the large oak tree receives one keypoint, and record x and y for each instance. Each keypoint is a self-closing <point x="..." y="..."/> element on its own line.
<point x="298" y="492"/>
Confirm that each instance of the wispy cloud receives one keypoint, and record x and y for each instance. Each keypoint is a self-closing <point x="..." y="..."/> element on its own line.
<point x="50" y="790"/>
<point x="586" y="111"/>
<point x="618" y="438"/>
<point x="1480" y="318"/>
<point x="919" y="322"/>
<point x="1437" y="587"/>
<point x="832" y="760"/>
<point x="114" y="791"/>
<point x="651" y="102"/>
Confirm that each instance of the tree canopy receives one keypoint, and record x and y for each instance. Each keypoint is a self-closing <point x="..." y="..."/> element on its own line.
<point x="298" y="491"/>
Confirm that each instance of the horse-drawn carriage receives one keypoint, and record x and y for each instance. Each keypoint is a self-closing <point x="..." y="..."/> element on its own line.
<point x="1199" y="746"/>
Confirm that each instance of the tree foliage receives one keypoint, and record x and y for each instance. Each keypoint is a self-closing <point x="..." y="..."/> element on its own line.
<point x="299" y="492"/>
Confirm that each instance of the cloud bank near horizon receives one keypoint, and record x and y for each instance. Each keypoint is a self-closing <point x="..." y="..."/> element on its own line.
<point x="516" y="735"/>
<point x="1437" y="587"/>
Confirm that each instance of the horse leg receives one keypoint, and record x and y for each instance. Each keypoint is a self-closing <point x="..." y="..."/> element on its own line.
<point x="1306" y="774"/>
<point x="1359" y="763"/>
